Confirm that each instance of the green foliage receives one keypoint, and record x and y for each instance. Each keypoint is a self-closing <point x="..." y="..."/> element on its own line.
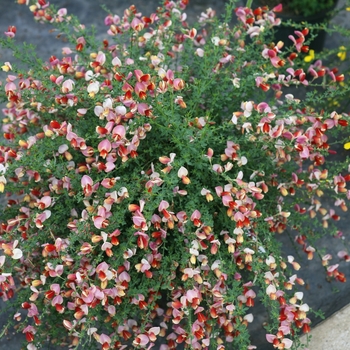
<point x="147" y="178"/>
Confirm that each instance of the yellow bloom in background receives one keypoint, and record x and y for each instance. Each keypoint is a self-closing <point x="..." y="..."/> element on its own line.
<point x="347" y="145"/>
<point x="348" y="9"/>
<point x="310" y="57"/>
<point x="342" y="53"/>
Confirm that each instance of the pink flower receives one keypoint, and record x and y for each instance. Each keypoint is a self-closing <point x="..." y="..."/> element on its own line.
<point x="139" y="221"/>
<point x="104" y="339"/>
<point x="144" y="267"/>
<point x="104" y="147"/>
<point x="299" y="41"/>
<point x="153" y="332"/>
<point x="118" y="133"/>
<point x="141" y="340"/>
<point x="44" y="202"/>
<point x="278" y="8"/>
<point x="191" y="33"/>
<point x="67" y="86"/>
<point x="109" y="182"/>
<point x="100" y="222"/>
<point x="142" y="239"/>
<point x="11" y="31"/>
<point x="86" y="184"/>
<point x="195" y="218"/>
<point x="40" y="218"/>
<point x="116" y="62"/>
<point x="199" y="52"/>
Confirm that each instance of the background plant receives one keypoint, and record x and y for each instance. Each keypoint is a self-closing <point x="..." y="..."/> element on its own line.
<point x="147" y="176"/>
<point x="303" y="8"/>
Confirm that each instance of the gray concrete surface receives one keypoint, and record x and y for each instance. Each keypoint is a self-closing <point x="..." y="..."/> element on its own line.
<point x="333" y="333"/>
<point x="319" y="294"/>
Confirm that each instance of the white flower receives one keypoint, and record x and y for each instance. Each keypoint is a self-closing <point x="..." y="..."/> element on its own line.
<point x="63" y="148"/>
<point x="120" y="110"/>
<point x="234" y="119"/>
<point x="242" y="161"/>
<point x="2" y="169"/>
<point x="299" y="295"/>
<point x="248" y="251"/>
<point x="215" y="40"/>
<point x="262" y="249"/>
<point x="271" y="289"/>
<point x="89" y="75"/>
<point x="249" y="318"/>
<point x="93" y="88"/>
<point x="161" y="72"/>
<point x="270" y="260"/>
<point x="182" y="172"/>
<point x="17" y="254"/>
<point x="236" y="82"/>
<point x="116" y="62"/>
<point x="304" y="307"/>
<point x="199" y="52"/>
<point x="247" y="108"/>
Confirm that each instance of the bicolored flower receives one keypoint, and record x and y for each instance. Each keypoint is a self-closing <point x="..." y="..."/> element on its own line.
<point x="67" y="86"/>
<point x="11" y="31"/>
<point x="6" y="67"/>
<point x="10" y="249"/>
<point x="182" y="174"/>
<point x="3" y="180"/>
<point x="93" y="88"/>
<point x="104" y="147"/>
<point x="44" y="202"/>
<point x="207" y="194"/>
<point x="39" y="220"/>
<point x="144" y="267"/>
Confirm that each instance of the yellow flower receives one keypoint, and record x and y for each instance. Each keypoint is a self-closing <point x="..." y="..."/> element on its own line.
<point x="342" y="53"/>
<point x="2" y="183"/>
<point x="6" y="67"/>
<point x="347" y="145"/>
<point x="348" y="9"/>
<point x="310" y="57"/>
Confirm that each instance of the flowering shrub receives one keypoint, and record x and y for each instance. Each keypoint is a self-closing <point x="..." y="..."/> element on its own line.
<point x="147" y="176"/>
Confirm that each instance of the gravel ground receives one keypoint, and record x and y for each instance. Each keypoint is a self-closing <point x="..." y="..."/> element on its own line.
<point x="319" y="294"/>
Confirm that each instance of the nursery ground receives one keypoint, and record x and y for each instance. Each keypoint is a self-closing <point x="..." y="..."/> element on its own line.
<point x="319" y="293"/>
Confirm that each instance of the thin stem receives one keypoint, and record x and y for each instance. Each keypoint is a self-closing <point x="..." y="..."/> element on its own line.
<point x="249" y="3"/>
<point x="4" y="330"/>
